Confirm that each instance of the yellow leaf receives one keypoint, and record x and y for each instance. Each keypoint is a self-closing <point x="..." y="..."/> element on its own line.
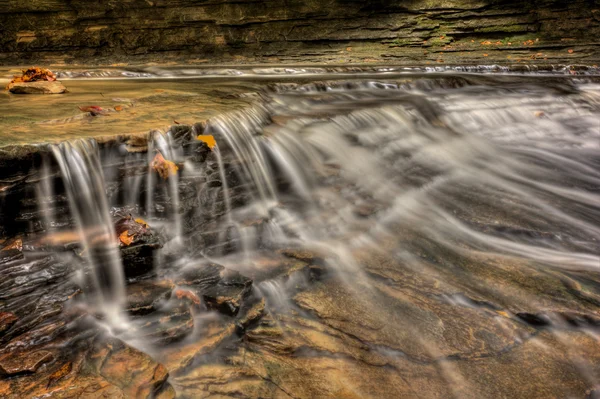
<point x="209" y="140"/>
<point x="125" y="238"/>
<point x="142" y="222"/>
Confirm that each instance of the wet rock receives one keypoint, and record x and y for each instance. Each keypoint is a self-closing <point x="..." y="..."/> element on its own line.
<point x="7" y="319"/>
<point x="11" y="251"/>
<point x="41" y="87"/>
<point x="18" y="363"/>
<point x="250" y="317"/>
<point x="145" y="297"/>
<point x="304" y="255"/>
<point x="171" y="323"/>
<point x="221" y="289"/>
<point x="535" y="320"/>
<point x="138" y="246"/>
<point x="227" y="296"/>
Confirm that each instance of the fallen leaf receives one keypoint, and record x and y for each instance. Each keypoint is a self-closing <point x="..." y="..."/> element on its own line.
<point x="538" y="114"/>
<point x="129" y="229"/>
<point x="209" y="140"/>
<point x="125" y="238"/>
<point x="181" y="293"/>
<point x="142" y="222"/>
<point x="163" y="167"/>
<point x="485" y="55"/>
<point x="118" y="108"/>
<point x="570" y="51"/>
<point x="93" y="109"/>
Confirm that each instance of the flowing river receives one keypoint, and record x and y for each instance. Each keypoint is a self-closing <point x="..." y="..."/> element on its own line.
<point x="374" y="233"/>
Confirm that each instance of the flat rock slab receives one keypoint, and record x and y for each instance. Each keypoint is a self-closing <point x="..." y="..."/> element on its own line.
<point x="17" y="363"/>
<point x="41" y="87"/>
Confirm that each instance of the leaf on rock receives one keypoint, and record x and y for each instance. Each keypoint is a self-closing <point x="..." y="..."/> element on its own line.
<point x="209" y="140"/>
<point x="129" y="229"/>
<point x="125" y="238"/>
<point x="33" y="74"/>
<point x="142" y="222"/>
<point x="163" y="167"/>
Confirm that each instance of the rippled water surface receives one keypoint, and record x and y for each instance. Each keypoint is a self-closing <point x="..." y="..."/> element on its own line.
<point x="379" y="233"/>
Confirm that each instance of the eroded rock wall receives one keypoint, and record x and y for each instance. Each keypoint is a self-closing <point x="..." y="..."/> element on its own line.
<point x="107" y="31"/>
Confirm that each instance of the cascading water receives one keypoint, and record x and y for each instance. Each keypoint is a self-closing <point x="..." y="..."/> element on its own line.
<point x="84" y="183"/>
<point x="346" y="237"/>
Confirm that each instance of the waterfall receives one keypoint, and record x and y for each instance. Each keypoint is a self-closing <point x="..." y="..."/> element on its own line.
<point x="82" y="175"/>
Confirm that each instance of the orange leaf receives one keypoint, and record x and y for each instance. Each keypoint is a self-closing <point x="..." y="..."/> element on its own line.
<point x="118" y="108"/>
<point x="570" y="51"/>
<point x="209" y="140"/>
<point x="180" y="294"/>
<point x="142" y="222"/>
<point x="125" y="238"/>
<point x="163" y="167"/>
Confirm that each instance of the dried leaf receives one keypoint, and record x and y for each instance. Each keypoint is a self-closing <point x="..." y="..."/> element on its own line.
<point x="181" y="293"/>
<point x="33" y="74"/>
<point x="125" y="238"/>
<point x="209" y="140"/>
<point x="93" y="109"/>
<point x="570" y="51"/>
<point x="118" y="108"/>
<point x="163" y="167"/>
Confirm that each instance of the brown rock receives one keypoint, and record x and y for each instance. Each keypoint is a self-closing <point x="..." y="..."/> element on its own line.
<point x="19" y="363"/>
<point x="41" y="87"/>
<point x="7" y="319"/>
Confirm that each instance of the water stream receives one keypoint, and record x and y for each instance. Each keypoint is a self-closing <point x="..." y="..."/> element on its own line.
<point x="389" y="224"/>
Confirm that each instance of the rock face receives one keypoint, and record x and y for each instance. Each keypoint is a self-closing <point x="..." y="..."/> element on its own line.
<point x="341" y="30"/>
<point x="41" y="87"/>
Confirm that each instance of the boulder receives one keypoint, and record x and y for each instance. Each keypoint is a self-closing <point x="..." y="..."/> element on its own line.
<point x="40" y="87"/>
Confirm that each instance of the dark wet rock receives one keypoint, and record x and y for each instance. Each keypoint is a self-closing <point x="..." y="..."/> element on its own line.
<point x="138" y="259"/>
<point x="147" y="296"/>
<point x="227" y="296"/>
<point x="138" y="246"/>
<point x="41" y="87"/>
<point x="18" y="363"/>
<point x="221" y="289"/>
<point x="535" y="320"/>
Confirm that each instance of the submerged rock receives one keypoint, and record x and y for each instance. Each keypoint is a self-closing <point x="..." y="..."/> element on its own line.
<point x="146" y="296"/>
<point x="41" y="87"/>
<point x="221" y="289"/>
